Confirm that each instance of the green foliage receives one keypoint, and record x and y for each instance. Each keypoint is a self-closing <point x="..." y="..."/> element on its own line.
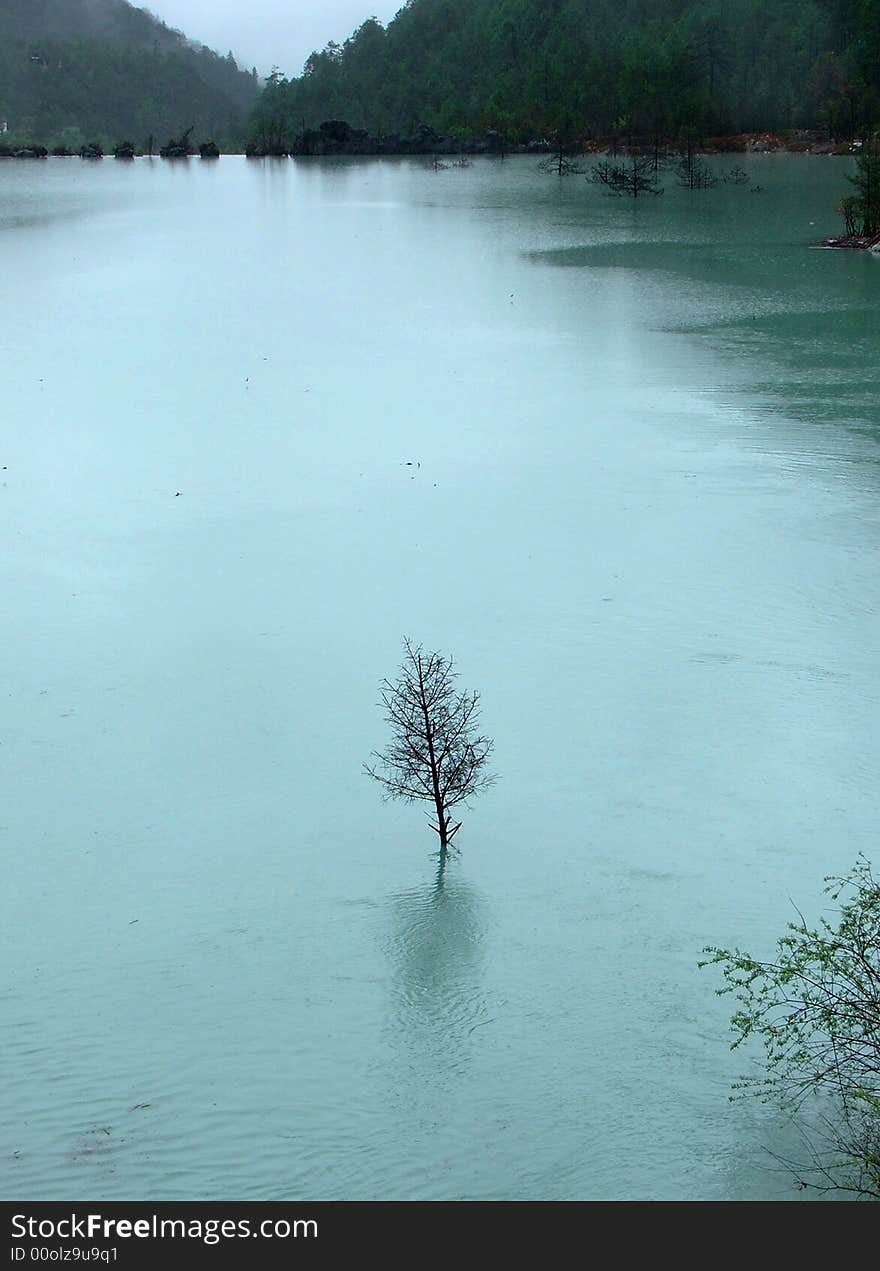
<point x="861" y="211"/>
<point x="634" y="70"/>
<point x="105" y="69"/>
<point x="815" y="1009"/>
<point x="850" y="209"/>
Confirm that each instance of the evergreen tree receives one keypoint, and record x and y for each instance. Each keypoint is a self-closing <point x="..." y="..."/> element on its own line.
<point x="103" y="69"/>
<point x="861" y="211"/>
<point x="638" y="71"/>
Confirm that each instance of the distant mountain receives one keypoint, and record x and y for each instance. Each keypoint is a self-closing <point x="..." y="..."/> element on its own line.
<point x="81" y="70"/>
<point x="626" y="68"/>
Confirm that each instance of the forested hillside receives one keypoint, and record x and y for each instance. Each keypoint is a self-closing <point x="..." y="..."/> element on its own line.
<point x="75" y="70"/>
<point x="595" y="67"/>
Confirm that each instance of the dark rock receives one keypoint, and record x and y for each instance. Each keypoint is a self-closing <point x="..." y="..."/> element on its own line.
<point x="179" y="149"/>
<point x="425" y="140"/>
<point x="209" y="150"/>
<point x="855" y="242"/>
<point x="260" y="150"/>
<point x="92" y="151"/>
<point x="724" y="145"/>
<point x="337" y="137"/>
<point x="123" y="150"/>
<point x="389" y="144"/>
<point x="30" y="152"/>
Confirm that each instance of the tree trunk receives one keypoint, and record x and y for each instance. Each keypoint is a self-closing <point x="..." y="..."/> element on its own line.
<point x="442" y="821"/>
<point x="443" y="827"/>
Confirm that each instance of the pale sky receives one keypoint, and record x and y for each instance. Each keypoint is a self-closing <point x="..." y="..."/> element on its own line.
<point x="264" y="33"/>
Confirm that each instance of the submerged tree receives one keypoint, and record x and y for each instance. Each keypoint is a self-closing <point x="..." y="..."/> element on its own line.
<point x="636" y="177"/>
<point x="559" y="161"/>
<point x="559" y="164"/>
<point x="436" y="754"/>
<point x="694" y="173"/>
<point x="816" y="1010"/>
<point x="565" y="144"/>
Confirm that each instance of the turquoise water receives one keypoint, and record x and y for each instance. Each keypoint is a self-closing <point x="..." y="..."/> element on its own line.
<point x="262" y="420"/>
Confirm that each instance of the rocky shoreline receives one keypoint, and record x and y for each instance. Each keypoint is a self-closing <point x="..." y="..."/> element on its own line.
<point x="336" y="137"/>
<point x="854" y="243"/>
<point x="180" y="148"/>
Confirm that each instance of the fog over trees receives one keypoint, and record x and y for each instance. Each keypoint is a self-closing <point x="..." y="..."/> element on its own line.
<point x="638" y="69"/>
<point x="77" y="70"/>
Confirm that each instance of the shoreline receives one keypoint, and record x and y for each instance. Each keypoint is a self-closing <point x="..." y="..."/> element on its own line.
<point x="337" y="138"/>
<point x="853" y="243"/>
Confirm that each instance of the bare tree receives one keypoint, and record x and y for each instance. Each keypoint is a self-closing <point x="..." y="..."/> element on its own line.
<point x="436" y="754"/>
<point x="692" y="172"/>
<point x="563" y="146"/>
<point x="559" y="164"/>
<point x="636" y="177"/>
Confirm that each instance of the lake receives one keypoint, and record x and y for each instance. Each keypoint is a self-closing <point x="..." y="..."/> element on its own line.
<point x="261" y="420"/>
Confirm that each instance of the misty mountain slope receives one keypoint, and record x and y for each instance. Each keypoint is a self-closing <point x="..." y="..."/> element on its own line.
<point x="625" y="67"/>
<point x="73" y="70"/>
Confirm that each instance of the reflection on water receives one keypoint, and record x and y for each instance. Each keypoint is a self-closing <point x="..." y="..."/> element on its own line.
<point x="435" y="1035"/>
<point x="436" y="947"/>
<point x="770" y="1151"/>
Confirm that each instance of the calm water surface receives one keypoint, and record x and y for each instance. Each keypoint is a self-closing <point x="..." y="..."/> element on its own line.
<point x="259" y="421"/>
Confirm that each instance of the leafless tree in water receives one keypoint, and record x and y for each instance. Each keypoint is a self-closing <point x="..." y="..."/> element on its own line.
<point x="636" y="177"/>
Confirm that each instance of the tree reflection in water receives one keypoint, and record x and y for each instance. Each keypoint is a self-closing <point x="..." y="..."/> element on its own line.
<point x="438" y="1001"/>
